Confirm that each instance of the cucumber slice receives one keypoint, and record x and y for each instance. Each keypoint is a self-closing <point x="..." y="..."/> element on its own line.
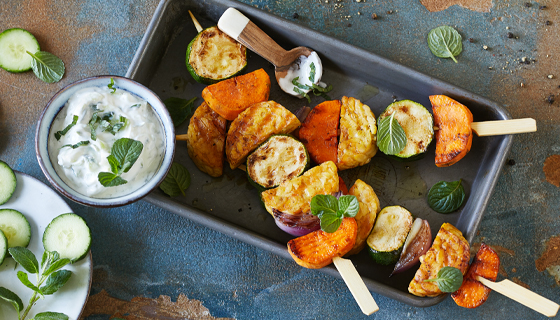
<point x="417" y="123"/>
<point x="213" y="56"/>
<point x="14" y="44"/>
<point x="69" y="235"/>
<point x="3" y="247"/>
<point x="8" y="182"/>
<point x="389" y="234"/>
<point x="15" y="227"/>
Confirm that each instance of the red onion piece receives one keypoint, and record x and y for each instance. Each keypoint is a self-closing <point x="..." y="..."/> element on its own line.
<point x="296" y="225"/>
<point x="418" y="241"/>
<point x="302" y="113"/>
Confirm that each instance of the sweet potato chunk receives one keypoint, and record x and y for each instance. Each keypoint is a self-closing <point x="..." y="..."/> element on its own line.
<point x="206" y="139"/>
<point x="317" y="249"/>
<point x="319" y="131"/>
<point x="454" y="137"/>
<point x="253" y="126"/>
<point x="449" y="248"/>
<point x="230" y="97"/>
<point x="472" y="293"/>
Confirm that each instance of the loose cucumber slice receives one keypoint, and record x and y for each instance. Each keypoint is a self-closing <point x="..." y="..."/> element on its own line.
<point x="3" y="247"/>
<point x="69" y="235"/>
<point x="14" y="44"/>
<point x="7" y="182"/>
<point x="15" y="227"/>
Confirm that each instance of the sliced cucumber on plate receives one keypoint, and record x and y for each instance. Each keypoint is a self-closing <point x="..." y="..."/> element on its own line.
<point x="8" y="182"/>
<point x="69" y="235"/>
<point x="14" y="44"/>
<point x="3" y="247"/>
<point x="15" y="227"/>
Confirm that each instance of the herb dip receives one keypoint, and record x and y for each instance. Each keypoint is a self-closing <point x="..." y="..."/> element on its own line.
<point x="302" y="69"/>
<point x="79" y="167"/>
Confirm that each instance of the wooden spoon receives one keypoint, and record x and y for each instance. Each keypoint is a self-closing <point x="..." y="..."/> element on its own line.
<point x="286" y="63"/>
<point x="524" y="296"/>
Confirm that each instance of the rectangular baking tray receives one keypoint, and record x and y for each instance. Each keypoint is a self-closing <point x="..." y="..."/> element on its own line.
<point x="230" y="205"/>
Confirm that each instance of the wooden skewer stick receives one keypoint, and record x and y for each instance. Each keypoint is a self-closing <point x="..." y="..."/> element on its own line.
<point x="181" y="137"/>
<point x="500" y="127"/>
<point x="196" y="24"/>
<point x="356" y="285"/>
<point x="524" y="296"/>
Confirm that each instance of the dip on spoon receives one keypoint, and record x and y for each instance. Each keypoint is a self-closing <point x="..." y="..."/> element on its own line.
<point x="289" y="65"/>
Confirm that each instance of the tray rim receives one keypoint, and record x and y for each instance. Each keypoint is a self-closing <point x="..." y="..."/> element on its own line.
<point x="247" y="236"/>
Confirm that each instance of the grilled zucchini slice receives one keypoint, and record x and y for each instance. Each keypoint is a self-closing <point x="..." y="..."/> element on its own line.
<point x="389" y="234"/>
<point x="214" y="56"/>
<point x="280" y="158"/>
<point x="418" y="125"/>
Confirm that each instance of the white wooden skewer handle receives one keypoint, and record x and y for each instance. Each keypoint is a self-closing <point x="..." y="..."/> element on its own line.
<point x="356" y="285"/>
<point x="499" y="127"/>
<point x="524" y="296"/>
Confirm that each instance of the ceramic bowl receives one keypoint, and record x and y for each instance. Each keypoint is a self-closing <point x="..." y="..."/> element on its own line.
<point x="55" y="105"/>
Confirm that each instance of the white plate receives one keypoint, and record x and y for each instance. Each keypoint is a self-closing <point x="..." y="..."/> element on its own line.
<point x="40" y="205"/>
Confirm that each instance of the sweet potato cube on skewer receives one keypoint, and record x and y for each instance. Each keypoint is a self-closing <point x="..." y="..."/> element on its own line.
<point x="472" y="293"/>
<point x="319" y="131"/>
<point x="230" y="97"/>
<point x="454" y="134"/>
<point x="317" y="249"/>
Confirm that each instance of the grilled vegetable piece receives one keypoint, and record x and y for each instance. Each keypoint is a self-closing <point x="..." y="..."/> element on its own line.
<point x="454" y="136"/>
<point x="358" y="134"/>
<point x="294" y="196"/>
<point x="417" y="123"/>
<point x="280" y="158"/>
<point x="317" y="249"/>
<point x="473" y="293"/>
<point x="365" y="218"/>
<point x="319" y="131"/>
<point x="417" y="243"/>
<point x="254" y="126"/>
<point x="230" y="97"/>
<point x="389" y="234"/>
<point x="449" y="249"/>
<point x="206" y="140"/>
<point x="214" y="56"/>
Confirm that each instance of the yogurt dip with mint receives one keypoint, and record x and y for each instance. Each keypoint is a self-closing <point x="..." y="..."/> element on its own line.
<point x="104" y="115"/>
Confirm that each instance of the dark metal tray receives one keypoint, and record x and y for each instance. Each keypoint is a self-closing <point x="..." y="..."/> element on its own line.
<point x="230" y="205"/>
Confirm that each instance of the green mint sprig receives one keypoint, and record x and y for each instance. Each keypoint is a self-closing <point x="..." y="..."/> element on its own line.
<point x="331" y="210"/>
<point x="77" y="145"/>
<point x="124" y="154"/>
<point x="445" y="42"/>
<point x="177" y="180"/>
<point x="47" y="66"/>
<point x="317" y="90"/>
<point x="111" y="86"/>
<point x="59" y="134"/>
<point x="449" y="279"/>
<point x="107" y="122"/>
<point x="446" y="197"/>
<point x="391" y="138"/>
<point x="48" y="273"/>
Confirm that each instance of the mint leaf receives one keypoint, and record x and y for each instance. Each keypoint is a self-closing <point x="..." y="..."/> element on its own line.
<point x="47" y="66"/>
<point x="312" y="72"/>
<point x="126" y="150"/>
<point x="446" y="197"/>
<point x="449" y="279"/>
<point x="12" y="298"/>
<point x="445" y="42"/>
<point x="25" y="258"/>
<point x="22" y="276"/>
<point x="59" y="134"/>
<point x="179" y="109"/>
<point x="111" y="86"/>
<point x="109" y="179"/>
<point x="323" y="203"/>
<point x="303" y="93"/>
<point x="114" y="163"/>
<point x="348" y="205"/>
<point x="51" y="316"/>
<point x="79" y="144"/>
<point x="330" y="222"/>
<point x="56" y="281"/>
<point x="93" y="125"/>
<point x="56" y="265"/>
<point x="391" y="138"/>
<point x="177" y="180"/>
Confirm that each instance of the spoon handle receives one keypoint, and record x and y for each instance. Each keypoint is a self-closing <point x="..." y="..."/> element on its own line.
<point x="239" y="27"/>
